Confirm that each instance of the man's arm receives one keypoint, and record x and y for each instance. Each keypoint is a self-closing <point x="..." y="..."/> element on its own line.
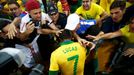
<point x="12" y="27"/>
<point x="83" y="42"/>
<point x="29" y="29"/>
<point x="109" y="35"/>
<point x="49" y="31"/>
<point x="52" y="26"/>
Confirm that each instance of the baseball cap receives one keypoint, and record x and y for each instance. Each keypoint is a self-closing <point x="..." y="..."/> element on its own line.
<point x="72" y="21"/>
<point x="32" y="4"/>
<point x="52" y="9"/>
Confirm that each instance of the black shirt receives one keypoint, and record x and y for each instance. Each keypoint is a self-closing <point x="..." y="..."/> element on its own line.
<point x="62" y="20"/>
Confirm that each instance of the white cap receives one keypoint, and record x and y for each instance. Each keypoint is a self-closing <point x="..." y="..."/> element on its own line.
<point x="72" y="21"/>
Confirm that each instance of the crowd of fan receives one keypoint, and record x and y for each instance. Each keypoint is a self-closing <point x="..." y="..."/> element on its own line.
<point x="36" y="27"/>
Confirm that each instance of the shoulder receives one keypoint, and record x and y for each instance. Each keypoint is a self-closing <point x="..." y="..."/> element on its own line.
<point x="107" y="22"/>
<point x="26" y="18"/>
<point x="107" y="25"/>
<point x="23" y="14"/>
<point x="43" y="14"/>
<point x="62" y="15"/>
<point x="80" y="8"/>
<point x="95" y="5"/>
<point x="125" y="28"/>
<point x="46" y="17"/>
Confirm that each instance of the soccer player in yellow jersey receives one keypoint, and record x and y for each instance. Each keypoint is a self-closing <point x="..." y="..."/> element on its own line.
<point x="70" y="57"/>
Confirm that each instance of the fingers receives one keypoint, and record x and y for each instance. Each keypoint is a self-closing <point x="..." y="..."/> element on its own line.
<point x="11" y="31"/>
<point x="83" y="42"/>
<point x="30" y="26"/>
<point x="90" y="37"/>
<point x="92" y="46"/>
<point x="95" y="38"/>
<point x="59" y="31"/>
<point x="10" y="35"/>
<point x="129" y="52"/>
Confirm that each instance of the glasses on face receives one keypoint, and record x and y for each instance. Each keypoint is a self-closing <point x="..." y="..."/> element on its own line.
<point x="13" y="9"/>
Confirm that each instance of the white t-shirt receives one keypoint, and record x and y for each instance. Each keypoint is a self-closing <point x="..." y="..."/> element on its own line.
<point x="29" y="61"/>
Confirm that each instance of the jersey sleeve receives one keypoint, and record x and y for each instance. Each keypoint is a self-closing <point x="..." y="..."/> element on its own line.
<point x="100" y="9"/>
<point x="53" y="63"/>
<point x="78" y="10"/>
<point x="124" y="30"/>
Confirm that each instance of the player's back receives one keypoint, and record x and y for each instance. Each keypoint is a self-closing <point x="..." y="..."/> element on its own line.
<point x="70" y="59"/>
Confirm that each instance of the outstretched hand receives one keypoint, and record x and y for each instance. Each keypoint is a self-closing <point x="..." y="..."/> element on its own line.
<point x="86" y="43"/>
<point x="11" y="31"/>
<point x="129" y="52"/>
<point x="58" y="32"/>
<point x="95" y="38"/>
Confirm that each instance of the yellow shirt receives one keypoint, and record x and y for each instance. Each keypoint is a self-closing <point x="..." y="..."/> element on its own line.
<point x="95" y="1"/>
<point x="105" y="4"/>
<point x="59" y="5"/>
<point x="21" y="4"/>
<point x="129" y="36"/>
<point x="128" y="4"/>
<point x="93" y="13"/>
<point x="69" y="59"/>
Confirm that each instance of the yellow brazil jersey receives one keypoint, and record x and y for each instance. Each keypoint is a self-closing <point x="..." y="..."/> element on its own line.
<point x="59" y="5"/>
<point x="95" y="1"/>
<point x="93" y="13"/>
<point x="105" y="4"/>
<point x="129" y="36"/>
<point x="128" y="4"/>
<point x="69" y="59"/>
<point x="21" y="4"/>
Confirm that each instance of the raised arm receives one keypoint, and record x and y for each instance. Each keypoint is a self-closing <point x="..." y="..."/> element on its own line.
<point x="109" y="35"/>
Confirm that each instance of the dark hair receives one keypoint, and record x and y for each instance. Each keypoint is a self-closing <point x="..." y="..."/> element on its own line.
<point x="66" y="34"/>
<point x="132" y="17"/>
<point x="118" y="3"/>
<point x="51" y="8"/>
<point x="13" y="2"/>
